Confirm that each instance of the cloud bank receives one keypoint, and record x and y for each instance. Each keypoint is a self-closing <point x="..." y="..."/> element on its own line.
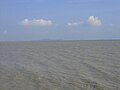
<point x="95" y="21"/>
<point x="36" y="22"/>
<point x="92" y="20"/>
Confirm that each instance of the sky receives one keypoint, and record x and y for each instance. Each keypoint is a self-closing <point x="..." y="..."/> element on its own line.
<point x="22" y="20"/>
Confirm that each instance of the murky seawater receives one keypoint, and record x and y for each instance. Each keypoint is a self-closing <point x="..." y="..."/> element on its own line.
<point x="60" y="65"/>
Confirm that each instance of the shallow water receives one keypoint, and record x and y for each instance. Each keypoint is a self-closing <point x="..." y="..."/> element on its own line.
<point x="60" y="65"/>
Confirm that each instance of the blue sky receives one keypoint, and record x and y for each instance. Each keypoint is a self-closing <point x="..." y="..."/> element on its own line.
<point x="59" y="19"/>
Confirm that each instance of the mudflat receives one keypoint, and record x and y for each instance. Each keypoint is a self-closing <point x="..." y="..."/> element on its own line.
<point x="60" y="65"/>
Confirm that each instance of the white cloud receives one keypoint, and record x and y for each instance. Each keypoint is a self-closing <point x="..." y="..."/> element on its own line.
<point x="36" y="22"/>
<point x="95" y="21"/>
<point x="74" y="23"/>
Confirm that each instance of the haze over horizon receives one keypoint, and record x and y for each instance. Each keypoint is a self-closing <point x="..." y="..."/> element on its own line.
<point x="22" y="20"/>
